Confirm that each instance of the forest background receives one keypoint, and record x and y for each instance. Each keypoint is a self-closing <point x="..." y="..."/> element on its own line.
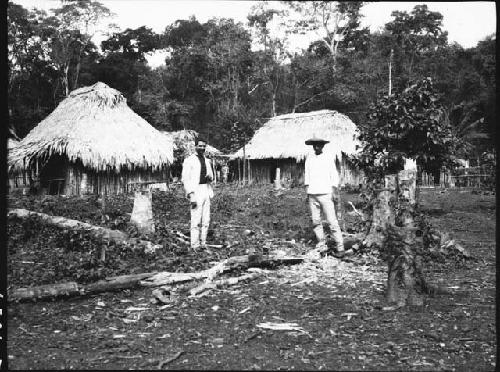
<point x="225" y="79"/>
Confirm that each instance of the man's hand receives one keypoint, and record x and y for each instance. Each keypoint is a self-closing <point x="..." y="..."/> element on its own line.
<point x="335" y="194"/>
<point x="192" y="200"/>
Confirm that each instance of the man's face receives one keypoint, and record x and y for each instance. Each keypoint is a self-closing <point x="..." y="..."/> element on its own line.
<point x="318" y="148"/>
<point x="200" y="147"/>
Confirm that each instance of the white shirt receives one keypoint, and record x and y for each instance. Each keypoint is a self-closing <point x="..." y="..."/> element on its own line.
<point x="191" y="169"/>
<point x="320" y="173"/>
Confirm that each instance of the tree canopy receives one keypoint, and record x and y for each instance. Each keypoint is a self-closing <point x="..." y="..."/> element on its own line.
<point x="225" y="79"/>
<point x="407" y="124"/>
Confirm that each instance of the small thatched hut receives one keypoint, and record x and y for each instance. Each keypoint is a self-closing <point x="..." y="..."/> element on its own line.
<point x="280" y="144"/>
<point x="14" y="179"/>
<point x="184" y="146"/>
<point x="93" y="143"/>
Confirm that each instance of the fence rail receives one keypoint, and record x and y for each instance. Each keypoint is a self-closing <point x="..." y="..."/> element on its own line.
<point x="469" y="177"/>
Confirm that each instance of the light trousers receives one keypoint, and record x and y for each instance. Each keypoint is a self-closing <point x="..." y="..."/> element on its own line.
<point x="323" y="202"/>
<point x="200" y="216"/>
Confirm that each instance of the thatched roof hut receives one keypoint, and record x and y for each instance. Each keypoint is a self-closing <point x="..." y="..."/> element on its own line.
<point x="283" y="136"/>
<point x="95" y="125"/>
<point x="95" y="129"/>
<point x="279" y="143"/>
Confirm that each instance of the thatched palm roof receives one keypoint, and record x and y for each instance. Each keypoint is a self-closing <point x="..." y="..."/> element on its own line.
<point x="12" y="143"/>
<point x="95" y="125"/>
<point x="284" y="136"/>
<point x="184" y="144"/>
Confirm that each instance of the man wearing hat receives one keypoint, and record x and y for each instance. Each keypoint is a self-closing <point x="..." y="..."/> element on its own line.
<point x="321" y="180"/>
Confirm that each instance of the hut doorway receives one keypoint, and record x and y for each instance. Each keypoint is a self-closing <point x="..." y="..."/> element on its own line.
<point x="53" y="175"/>
<point x="272" y="173"/>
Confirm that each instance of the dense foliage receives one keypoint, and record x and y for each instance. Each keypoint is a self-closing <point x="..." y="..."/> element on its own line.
<point x="407" y="125"/>
<point x="225" y="79"/>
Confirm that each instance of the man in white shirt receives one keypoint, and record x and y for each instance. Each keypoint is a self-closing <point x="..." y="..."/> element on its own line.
<point x="321" y="179"/>
<point x="197" y="178"/>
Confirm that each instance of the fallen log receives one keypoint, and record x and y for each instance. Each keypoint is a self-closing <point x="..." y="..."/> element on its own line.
<point x="108" y="234"/>
<point x="45" y="291"/>
<point x="104" y="233"/>
<point x="142" y="280"/>
<point x="166" y="278"/>
<point x="74" y="289"/>
<point x="115" y="283"/>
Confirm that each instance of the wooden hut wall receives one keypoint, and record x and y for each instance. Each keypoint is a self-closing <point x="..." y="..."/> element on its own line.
<point x="263" y="171"/>
<point x="81" y="181"/>
<point x="52" y="175"/>
<point x="291" y="171"/>
<point x="18" y="180"/>
<point x="349" y="175"/>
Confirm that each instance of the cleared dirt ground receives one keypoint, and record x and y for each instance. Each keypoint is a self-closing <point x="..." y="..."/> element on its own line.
<point x="337" y="304"/>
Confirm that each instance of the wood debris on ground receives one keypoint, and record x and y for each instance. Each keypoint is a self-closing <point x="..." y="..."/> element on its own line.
<point x="331" y="272"/>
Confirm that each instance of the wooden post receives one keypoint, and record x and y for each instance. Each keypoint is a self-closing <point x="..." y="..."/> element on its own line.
<point x="103" y="253"/>
<point x="239" y="172"/>
<point x="277" y="180"/>
<point x="390" y="71"/>
<point x="249" y="176"/>
<point x="244" y="158"/>
<point x="104" y="202"/>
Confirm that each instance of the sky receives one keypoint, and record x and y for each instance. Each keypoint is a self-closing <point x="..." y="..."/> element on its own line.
<point x="467" y="22"/>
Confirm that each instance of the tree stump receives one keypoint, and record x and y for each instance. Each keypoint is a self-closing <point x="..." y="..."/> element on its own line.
<point x="142" y="213"/>
<point x="394" y="233"/>
<point x="383" y="215"/>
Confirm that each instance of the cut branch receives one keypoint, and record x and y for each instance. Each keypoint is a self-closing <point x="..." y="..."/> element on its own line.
<point x="148" y="279"/>
<point x="223" y="282"/>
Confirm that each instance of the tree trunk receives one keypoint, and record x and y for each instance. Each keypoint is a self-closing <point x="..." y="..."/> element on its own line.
<point x="273" y="112"/>
<point x="383" y="216"/>
<point x="65" y="80"/>
<point x="45" y="291"/>
<point x="77" y="73"/>
<point x="400" y="240"/>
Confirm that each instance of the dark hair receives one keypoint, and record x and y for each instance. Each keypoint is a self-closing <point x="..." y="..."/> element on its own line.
<point x="199" y="139"/>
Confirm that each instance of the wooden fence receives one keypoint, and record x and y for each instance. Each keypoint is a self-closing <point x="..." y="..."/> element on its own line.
<point x="472" y="177"/>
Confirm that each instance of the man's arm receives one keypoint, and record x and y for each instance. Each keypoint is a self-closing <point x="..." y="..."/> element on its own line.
<point x="306" y="172"/>
<point x="186" y="177"/>
<point x="335" y="180"/>
<point x="210" y="175"/>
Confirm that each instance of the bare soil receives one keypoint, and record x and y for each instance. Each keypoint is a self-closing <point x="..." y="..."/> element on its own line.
<point x="338" y="304"/>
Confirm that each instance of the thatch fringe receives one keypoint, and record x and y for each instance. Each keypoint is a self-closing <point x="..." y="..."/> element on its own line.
<point x="284" y="136"/>
<point x="95" y="125"/>
<point x="12" y="143"/>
